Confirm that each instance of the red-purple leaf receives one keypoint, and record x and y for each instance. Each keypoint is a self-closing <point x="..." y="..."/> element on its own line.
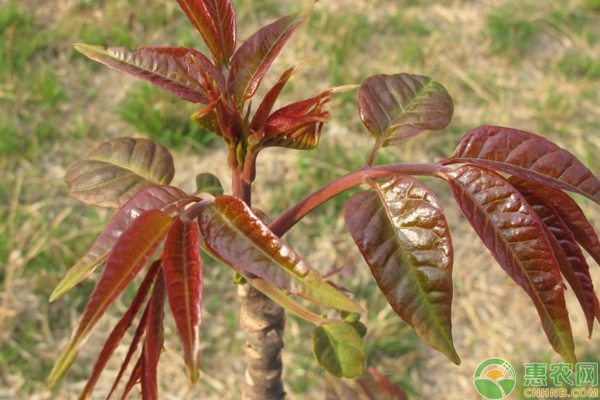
<point x="515" y="236"/>
<point x="571" y="260"/>
<point x="400" y="229"/>
<point x="119" y="330"/>
<point x="118" y="169"/>
<point x="378" y="387"/>
<point x="153" y="343"/>
<point x="166" y="198"/>
<point x="570" y="213"/>
<point x="186" y="73"/>
<point x="233" y="234"/>
<point x="528" y="156"/>
<point x="183" y="275"/>
<point x="129" y="255"/>
<point x="215" y="20"/>
<point x="134" y="378"/>
<point x="397" y="107"/>
<point x="254" y="57"/>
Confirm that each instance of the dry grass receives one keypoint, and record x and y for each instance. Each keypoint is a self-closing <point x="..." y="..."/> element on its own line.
<point x="540" y="82"/>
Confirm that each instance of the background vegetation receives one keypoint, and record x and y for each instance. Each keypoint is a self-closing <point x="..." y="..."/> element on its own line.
<point x="533" y="65"/>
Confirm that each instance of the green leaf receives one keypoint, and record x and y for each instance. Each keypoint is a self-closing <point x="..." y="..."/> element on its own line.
<point x="165" y="198"/>
<point x="233" y="234"/>
<point x="118" y="169"/>
<point x="515" y="236"/>
<point x="208" y="183"/>
<point x="397" y="107"/>
<point x="339" y="349"/>
<point x="131" y="252"/>
<point x="400" y="229"/>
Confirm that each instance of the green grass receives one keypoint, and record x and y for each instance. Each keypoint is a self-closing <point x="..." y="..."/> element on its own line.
<point x="510" y="34"/>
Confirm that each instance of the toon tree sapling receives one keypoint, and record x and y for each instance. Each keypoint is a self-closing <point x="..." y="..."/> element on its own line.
<point x="509" y="184"/>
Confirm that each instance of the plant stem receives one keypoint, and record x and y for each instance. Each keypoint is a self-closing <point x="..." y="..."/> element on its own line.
<point x="288" y="219"/>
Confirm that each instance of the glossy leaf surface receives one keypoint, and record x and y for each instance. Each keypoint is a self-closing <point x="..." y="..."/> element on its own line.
<point x="515" y="236"/>
<point x="166" y="198"/>
<point x="121" y="328"/>
<point x="397" y="107"/>
<point x="131" y="252"/>
<point x="208" y="183"/>
<point x="186" y="73"/>
<point x="183" y="275"/>
<point x="118" y="169"/>
<point x="571" y="260"/>
<point x="339" y="349"/>
<point x="215" y="20"/>
<point x="528" y="156"/>
<point x="378" y="387"/>
<point x="255" y="56"/>
<point x="570" y="212"/>
<point x="153" y="342"/>
<point x="233" y="234"/>
<point x="400" y="229"/>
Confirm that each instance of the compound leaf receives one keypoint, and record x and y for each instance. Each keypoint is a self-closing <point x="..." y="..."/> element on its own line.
<point x="527" y="156"/>
<point x="186" y="73"/>
<point x="397" y="107"/>
<point x="400" y="229"/>
<point x="339" y="349"/>
<point x="153" y="342"/>
<point x="129" y="255"/>
<point x="183" y="275"/>
<point x="233" y="234"/>
<point x="253" y="59"/>
<point x="515" y="236"/>
<point x="118" y="169"/>
<point x="166" y="198"/>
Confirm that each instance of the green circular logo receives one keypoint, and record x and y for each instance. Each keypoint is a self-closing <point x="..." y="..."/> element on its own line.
<point x="494" y="379"/>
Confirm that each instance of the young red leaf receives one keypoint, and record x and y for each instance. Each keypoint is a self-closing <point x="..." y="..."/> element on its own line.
<point x="400" y="229"/>
<point x="515" y="236"/>
<point x="570" y="212"/>
<point x="153" y="343"/>
<point x="527" y="156"/>
<point x="397" y="107"/>
<point x="119" y="330"/>
<point x="183" y="275"/>
<point x="186" y="73"/>
<point x="166" y="198"/>
<point x="253" y="59"/>
<point x="134" y="378"/>
<point x="234" y="235"/>
<point x="378" y="387"/>
<point x="131" y="252"/>
<point x="215" y="20"/>
<point x="118" y="169"/>
<point x="571" y="260"/>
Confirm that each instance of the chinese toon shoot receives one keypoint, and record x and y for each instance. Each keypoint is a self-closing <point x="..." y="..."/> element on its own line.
<point x="510" y="185"/>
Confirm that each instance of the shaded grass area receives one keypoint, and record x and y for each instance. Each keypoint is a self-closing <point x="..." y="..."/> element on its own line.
<point x="526" y="64"/>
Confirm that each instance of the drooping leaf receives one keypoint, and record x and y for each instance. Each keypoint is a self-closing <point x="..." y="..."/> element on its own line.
<point x="215" y="20"/>
<point x="118" y="169"/>
<point x="339" y="349"/>
<point x="515" y="236"/>
<point x="120" y="329"/>
<point x="570" y="258"/>
<point x="131" y="252"/>
<point x="208" y="183"/>
<point x="266" y="106"/>
<point x="528" y="156"/>
<point x="400" y="229"/>
<point x="186" y="73"/>
<point x="183" y="276"/>
<point x="153" y="343"/>
<point x="254" y="57"/>
<point x="378" y="387"/>
<point x="234" y="235"/>
<point x="134" y="378"/>
<point x="570" y="212"/>
<point x="166" y="198"/>
<point x="397" y="107"/>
